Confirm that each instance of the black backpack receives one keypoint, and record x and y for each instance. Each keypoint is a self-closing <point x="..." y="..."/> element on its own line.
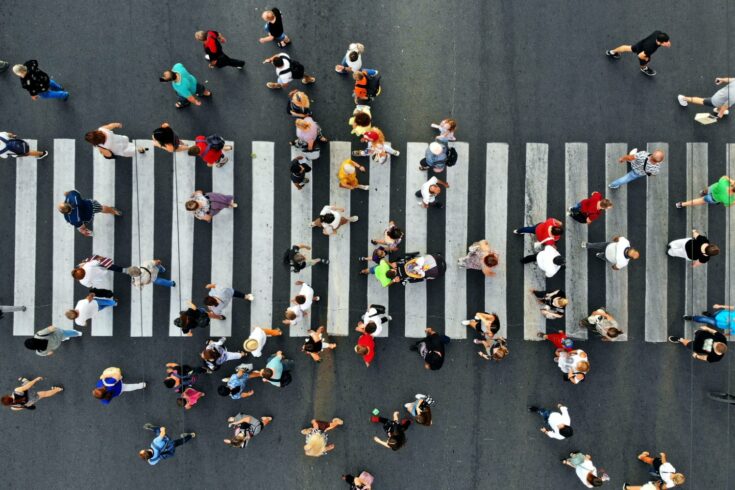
<point x="451" y="157"/>
<point x="296" y="69"/>
<point x="373" y="85"/>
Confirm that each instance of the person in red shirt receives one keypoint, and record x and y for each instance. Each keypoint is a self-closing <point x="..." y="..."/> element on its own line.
<point x="212" y="156"/>
<point x="212" y="41"/>
<point x="366" y="348"/>
<point x="547" y="233"/>
<point x="588" y="210"/>
<point x="559" y="339"/>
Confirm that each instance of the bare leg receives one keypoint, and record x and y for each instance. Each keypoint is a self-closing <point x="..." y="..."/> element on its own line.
<point x="624" y="48"/>
<point x="694" y="202"/>
<point x="694" y="100"/>
<point x="111" y="210"/>
<point x="49" y="393"/>
<point x="35" y="153"/>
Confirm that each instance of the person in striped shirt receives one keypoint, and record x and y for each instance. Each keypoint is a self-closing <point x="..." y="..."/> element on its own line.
<point x="80" y="212"/>
<point x="642" y="164"/>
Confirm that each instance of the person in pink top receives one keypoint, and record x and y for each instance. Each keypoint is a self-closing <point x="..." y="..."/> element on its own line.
<point x="189" y="398"/>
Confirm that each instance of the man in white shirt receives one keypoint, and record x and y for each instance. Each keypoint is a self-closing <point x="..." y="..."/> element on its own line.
<point x="258" y="337"/>
<point x="87" y="308"/>
<point x="294" y="316"/>
<point x="617" y="252"/>
<point x="220" y="298"/>
<point x="373" y="320"/>
<point x="548" y="260"/>
<point x="285" y="68"/>
<point x="305" y="297"/>
<point x="92" y="274"/>
<point x="428" y="192"/>
<point x="559" y="422"/>
<point x="330" y="219"/>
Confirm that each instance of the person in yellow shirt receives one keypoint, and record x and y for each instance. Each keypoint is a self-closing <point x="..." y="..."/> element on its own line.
<point x="348" y="177"/>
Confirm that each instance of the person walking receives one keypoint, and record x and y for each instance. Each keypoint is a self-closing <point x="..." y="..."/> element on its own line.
<point x="431" y="349"/>
<point x="87" y="308"/>
<point x="274" y="28"/>
<point x="709" y="344"/>
<point x="213" y="41"/>
<point x="485" y="325"/>
<point x="379" y="254"/>
<point x="377" y="148"/>
<point x="307" y="134"/>
<point x="294" y="316"/>
<point x="361" y="120"/>
<point x="191" y="318"/>
<point x="559" y="339"/>
<point x="435" y="157"/>
<point x="696" y="249"/>
<point x="211" y="149"/>
<point x="394" y="428"/>
<point x="642" y="164"/>
<point x="347" y="176"/>
<point x="722" y="317"/>
<point x="24" y="397"/>
<point x="429" y="191"/>
<point x="392" y="237"/>
<point x="480" y="256"/>
<point x="721" y="192"/>
<point x="111" y="145"/>
<point x="148" y="273"/>
<point x="79" y="212"/>
<point x="496" y="348"/>
<point x="721" y="100"/>
<point x="363" y="481"/>
<point x="446" y="130"/>
<point x="352" y="60"/>
<point x="299" y="104"/>
<point x="602" y="323"/>
<point x="330" y="219"/>
<point x="547" y="233"/>
<point x="37" y="83"/>
<point x="617" y="251"/>
<point x="373" y="320"/>
<point x="162" y="446"/>
<point x="110" y="385"/>
<point x="219" y="299"/>
<point x="47" y="340"/>
<point x="420" y="409"/>
<point x="236" y="386"/>
<point x="651" y="485"/>
<point x="300" y="166"/>
<point x="316" y="443"/>
<point x="277" y="371"/>
<point x="585" y="469"/>
<point x="179" y="377"/>
<point x="14" y="147"/>
<point x="255" y="343"/>
<point x="189" y="397"/>
<point x="297" y="260"/>
<point x="590" y="209"/>
<point x="246" y="427"/>
<point x="215" y="354"/>
<point x="286" y="70"/>
<point x="207" y="206"/>
<point x="185" y="85"/>
<point x="554" y="303"/>
<point x="366" y="348"/>
<point x="305" y="297"/>
<point x="549" y="260"/>
<point x="367" y="86"/>
<point x="559" y="422"/>
<point x="574" y="364"/>
<point x="92" y="272"/>
<point x="315" y="343"/>
<point x="665" y="471"/>
<point x="165" y="138"/>
<point x="644" y="49"/>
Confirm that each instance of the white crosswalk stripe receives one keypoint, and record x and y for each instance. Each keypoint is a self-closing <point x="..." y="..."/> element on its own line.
<point x="264" y="313"/>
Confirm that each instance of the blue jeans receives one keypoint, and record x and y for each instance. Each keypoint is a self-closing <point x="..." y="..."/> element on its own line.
<point x="544" y="413"/>
<point x="55" y="91"/>
<point x="625" y="179"/>
<point x="528" y="229"/>
<point x="71" y="333"/>
<point x="103" y="303"/>
<point x="707" y="320"/>
<point x="161" y="281"/>
<point x="199" y="92"/>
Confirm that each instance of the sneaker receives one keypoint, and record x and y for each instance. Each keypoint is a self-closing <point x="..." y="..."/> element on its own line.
<point x="678" y="205"/>
<point x="173" y="284"/>
<point x="688" y="318"/>
<point x="325" y="261"/>
<point x="184" y="434"/>
<point x="533" y="409"/>
<point x="674" y="339"/>
<point x="358" y="153"/>
<point x="397" y="153"/>
<point x="374" y="242"/>
<point x="612" y="55"/>
<point x="419" y="396"/>
<point x="716" y="111"/>
<point x="682" y="100"/>
<point x="249" y="297"/>
<point x="515" y="232"/>
<point x="465" y="322"/>
<point x="389" y="318"/>
<point x="44" y="155"/>
<point x="648" y="71"/>
<point x="477" y="341"/>
<point x="273" y="85"/>
<point x="353" y="219"/>
<point x="148" y="426"/>
<point x="610" y="186"/>
<point x="144" y="384"/>
<point x="24" y="308"/>
<point x="583" y="244"/>
<point x="4" y="66"/>
<point x="569" y="213"/>
<point x="362" y="259"/>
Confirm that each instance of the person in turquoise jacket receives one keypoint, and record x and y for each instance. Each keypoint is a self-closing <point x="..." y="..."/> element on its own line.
<point x="186" y="86"/>
<point x="723" y="317"/>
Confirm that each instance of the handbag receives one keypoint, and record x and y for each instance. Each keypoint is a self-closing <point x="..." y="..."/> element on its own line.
<point x="705" y="118"/>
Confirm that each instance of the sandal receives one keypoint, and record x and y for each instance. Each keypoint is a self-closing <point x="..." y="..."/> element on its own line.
<point x="273" y="85"/>
<point x="179" y="105"/>
<point x="116" y="212"/>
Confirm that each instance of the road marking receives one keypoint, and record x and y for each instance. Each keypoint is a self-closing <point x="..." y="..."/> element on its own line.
<point x="103" y="240"/>
<point x="261" y="276"/>
<point x="26" y="188"/>
<point x="455" y="279"/>
<point x="338" y="304"/>
<point x="697" y="218"/>
<point x="182" y="239"/>
<point x="574" y="234"/>
<point x="378" y="218"/>
<point x="142" y="237"/>
<point x="537" y="169"/>
<point x="223" y="238"/>
<point x="416" y="231"/>
<point x="62" y="298"/>
<point x="301" y="232"/>
<point x="616" y="223"/>
<point x="496" y="230"/>
<point x="729" y="237"/>
<point x="657" y="232"/>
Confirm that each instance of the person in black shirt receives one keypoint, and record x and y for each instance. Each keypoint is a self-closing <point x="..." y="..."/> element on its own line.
<point x="274" y="28"/>
<point x="709" y="344"/>
<point x="38" y="83"/>
<point x="297" y="261"/>
<point x="395" y="429"/>
<point x="299" y="168"/>
<point x="697" y="249"/>
<point x="192" y="318"/>
<point x="213" y="41"/>
<point x="431" y="349"/>
<point x="166" y="139"/>
<point x="644" y="49"/>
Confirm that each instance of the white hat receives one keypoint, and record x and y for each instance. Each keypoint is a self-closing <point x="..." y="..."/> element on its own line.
<point x="349" y="168"/>
<point x="436" y="148"/>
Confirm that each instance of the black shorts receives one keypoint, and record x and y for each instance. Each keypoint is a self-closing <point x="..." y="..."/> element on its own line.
<point x="708" y="102"/>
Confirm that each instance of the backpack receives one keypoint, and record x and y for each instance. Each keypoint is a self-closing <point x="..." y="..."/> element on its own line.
<point x="285" y="379"/>
<point x="451" y="157"/>
<point x="297" y="69"/>
<point x="14" y="145"/>
<point x="373" y="85"/>
<point x="213" y="141"/>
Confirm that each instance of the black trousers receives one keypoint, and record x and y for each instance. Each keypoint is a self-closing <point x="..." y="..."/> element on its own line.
<point x="225" y="60"/>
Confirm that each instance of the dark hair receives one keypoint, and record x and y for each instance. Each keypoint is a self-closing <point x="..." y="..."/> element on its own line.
<point x="327" y="218"/>
<point x="193" y="151"/>
<point x="36" y="344"/>
<point x="396" y="441"/>
<point x="370" y="327"/>
<point x="267" y="373"/>
<point x="391" y="274"/>
<point x="95" y="137"/>
<point x="662" y="37"/>
<point x="300" y="299"/>
<point x="495" y="324"/>
<point x="290" y="315"/>
<point x="101" y="393"/>
<point x="296" y="167"/>
<point x="183" y="320"/>
<point x="712" y="249"/>
<point x="210" y="301"/>
<point x="353" y="55"/>
<point x="424" y="418"/>
<point x="223" y="390"/>
<point x="613" y="332"/>
<point x="181" y="402"/>
<point x="595" y="481"/>
<point x="311" y="345"/>
<point x="277" y="61"/>
<point x="145" y="454"/>
<point x="165" y="136"/>
<point x="7" y="400"/>
<point x="566" y="431"/>
<point x="490" y="260"/>
<point x="380" y="251"/>
<point x="395" y="233"/>
<point x="209" y="355"/>
<point x="169" y="382"/>
<point x="556" y="230"/>
<point x="559" y="260"/>
<point x="362" y="119"/>
<point x="167" y="76"/>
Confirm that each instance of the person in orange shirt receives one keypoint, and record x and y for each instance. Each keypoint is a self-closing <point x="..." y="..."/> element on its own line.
<point x="348" y="177"/>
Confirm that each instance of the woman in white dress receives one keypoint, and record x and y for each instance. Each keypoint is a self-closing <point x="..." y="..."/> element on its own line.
<point x="111" y="145"/>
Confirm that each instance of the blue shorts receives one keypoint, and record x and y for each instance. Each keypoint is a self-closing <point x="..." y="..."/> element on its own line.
<point x="277" y="39"/>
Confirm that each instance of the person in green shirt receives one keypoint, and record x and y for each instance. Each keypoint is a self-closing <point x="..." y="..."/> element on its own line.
<point x="186" y="86"/>
<point x="46" y="341"/>
<point x="721" y="192"/>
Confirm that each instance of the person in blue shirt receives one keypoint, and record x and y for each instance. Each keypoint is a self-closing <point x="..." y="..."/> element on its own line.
<point x="110" y="385"/>
<point x="163" y="447"/>
<point x="79" y="212"/>
<point x="237" y="384"/>
<point x="186" y="86"/>
<point x="723" y="317"/>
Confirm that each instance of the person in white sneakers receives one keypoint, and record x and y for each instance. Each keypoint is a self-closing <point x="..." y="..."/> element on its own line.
<point x="46" y="341"/>
<point x="721" y="101"/>
<point x="220" y="298"/>
<point x="14" y="147"/>
<point x="665" y="470"/>
<point x="92" y="271"/>
<point x="373" y="320"/>
<point x="330" y="219"/>
<point x="258" y="337"/>
<point x="548" y="260"/>
<point x="87" y="308"/>
<point x="585" y="469"/>
<point x="215" y="354"/>
<point x="352" y="60"/>
<point x="617" y="251"/>
<point x="559" y="422"/>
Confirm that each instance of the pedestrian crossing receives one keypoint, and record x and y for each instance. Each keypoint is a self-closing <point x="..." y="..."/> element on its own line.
<point x="265" y="311"/>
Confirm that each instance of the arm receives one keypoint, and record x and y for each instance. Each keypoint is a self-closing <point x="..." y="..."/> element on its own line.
<point x="663" y="458"/>
<point x="626" y="158"/>
<point x="304" y="246"/>
<point x="442" y="183"/>
<point x="245" y="419"/>
<point x="112" y="125"/>
<point x="381" y="442"/>
<point x="265" y="39"/>
<point x="721" y="110"/>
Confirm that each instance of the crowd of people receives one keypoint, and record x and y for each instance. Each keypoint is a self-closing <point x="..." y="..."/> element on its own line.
<point x="387" y="264"/>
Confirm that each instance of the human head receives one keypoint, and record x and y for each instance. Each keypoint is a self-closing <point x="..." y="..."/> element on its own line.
<point x="435" y="190"/>
<point x="290" y="315"/>
<point x="720" y="348"/>
<point x="7" y="400"/>
<point x="209" y="355"/>
<point x="424" y="418"/>
<point x="657" y="156"/>
<point x="395" y="233"/>
<point x="353" y="56"/>
<point x="268" y="16"/>
<point x="266" y="373"/>
<point x="606" y="204"/>
<point x="583" y="366"/>
<point x="167" y="76"/>
<point x="559" y="260"/>
<point x="191" y="205"/>
<point x="71" y="314"/>
<point x="663" y="39"/>
<point x="494" y="323"/>
<point x="678" y="479"/>
<point x="277" y="62"/>
<point x="99" y="393"/>
<point x="499" y="354"/>
<point x="35" y="344"/>
<point x="193" y="151"/>
<point x="145" y="454"/>
<point x="169" y="382"/>
<point x="396" y="442"/>
<point x="20" y="70"/>
<point x="302" y="124"/>
<point x="361" y="349"/>
<point x="78" y="273"/>
<point x="436" y="148"/>
<point x="556" y="230"/>
<point x="596" y="481"/>
<point x="370" y="328"/>
<point x="391" y="274"/>
<point x="296" y="167"/>
<point x="315" y="446"/>
<point x="210" y="301"/>
<point x="327" y="218"/>
<point x="299" y="97"/>
<point x="633" y="254"/>
<point x="490" y="260"/>
<point x="95" y="138"/>
<point x="133" y="271"/>
<point x="380" y="252"/>
<point x="200" y="35"/>
<point x="451" y="124"/>
<point x="358" y="76"/>
<point x="563" y="302"/>
<point x="349" y="169"/>
<point x="181" y="402"/>
<point x="362" y="119"/>
<point x="64" y="208"/>
<point x="566" y="431"/>
<point x="613" y="332"/>
<point x="250" y="345"/>
<point x="224" y="390"/>
<point x="712" y="249"/>
<point x="300" y="299"/>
